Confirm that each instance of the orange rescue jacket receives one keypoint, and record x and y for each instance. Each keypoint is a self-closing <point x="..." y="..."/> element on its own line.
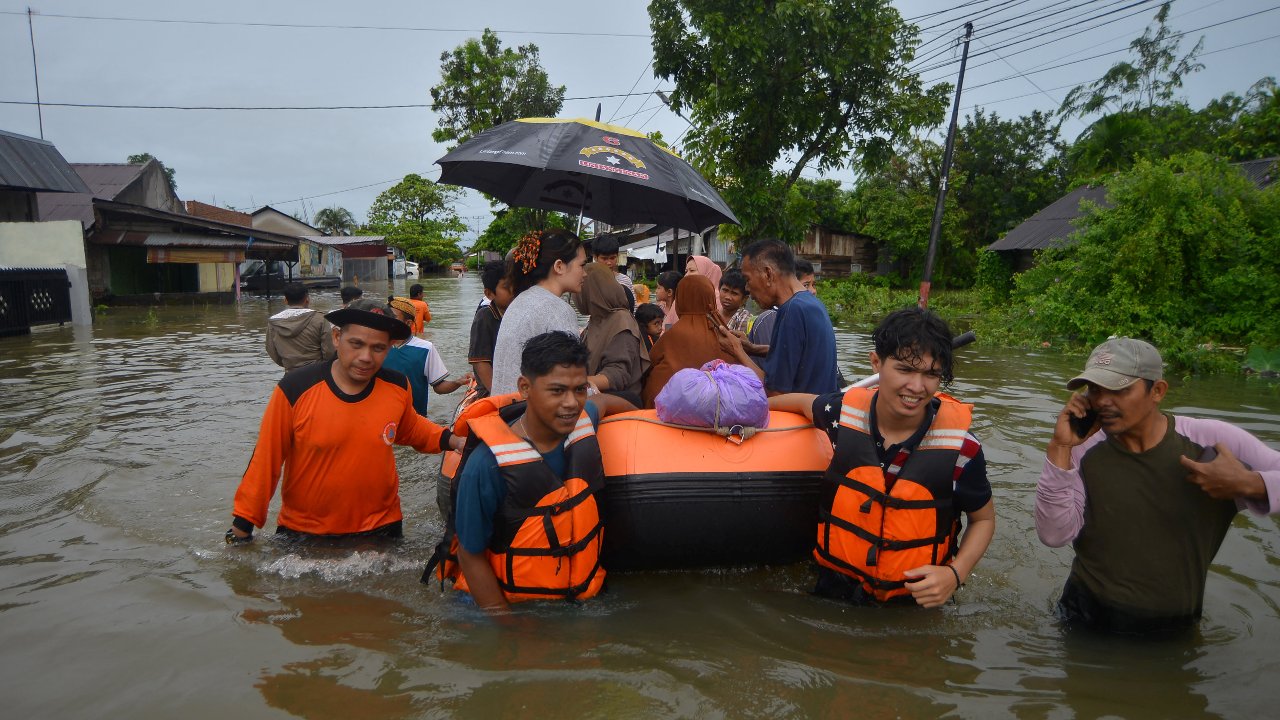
<point x="874" y="530"/>
<point x="547" y="534"/>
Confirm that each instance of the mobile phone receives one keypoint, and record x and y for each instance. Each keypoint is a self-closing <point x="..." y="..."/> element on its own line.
<point x="1082" y="425"/>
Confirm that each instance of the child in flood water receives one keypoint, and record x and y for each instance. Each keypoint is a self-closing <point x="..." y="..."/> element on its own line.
<point x="484" y="326"/>
<point x="905" y="468"/>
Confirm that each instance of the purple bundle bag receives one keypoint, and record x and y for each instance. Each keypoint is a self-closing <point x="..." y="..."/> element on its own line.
<point x="719" y="394"/>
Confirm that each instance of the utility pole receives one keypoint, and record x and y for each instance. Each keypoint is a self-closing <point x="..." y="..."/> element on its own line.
<point x="35" y="70"/>
<point x="935" y="231"/>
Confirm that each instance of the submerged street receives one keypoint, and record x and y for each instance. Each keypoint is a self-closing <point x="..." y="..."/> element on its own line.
<point x="122" y="445"/>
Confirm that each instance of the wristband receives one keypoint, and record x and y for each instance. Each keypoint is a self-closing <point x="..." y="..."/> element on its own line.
<point x="444" y="439"/>
<point x="957" y="574"/>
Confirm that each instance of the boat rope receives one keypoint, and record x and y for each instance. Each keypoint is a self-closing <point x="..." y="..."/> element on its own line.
<point x="735" y="433"/>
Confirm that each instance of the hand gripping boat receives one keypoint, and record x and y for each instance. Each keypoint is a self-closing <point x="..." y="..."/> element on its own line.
<point x="682" y="497"/>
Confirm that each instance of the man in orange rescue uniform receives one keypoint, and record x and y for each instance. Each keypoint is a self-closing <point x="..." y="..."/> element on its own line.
<point x="525" y="515"/>
<point x="331" y="427"/>
<point x="905" y="469"/>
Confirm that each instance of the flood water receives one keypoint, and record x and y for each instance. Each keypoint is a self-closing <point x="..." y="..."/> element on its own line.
<point x="121" y="448"/>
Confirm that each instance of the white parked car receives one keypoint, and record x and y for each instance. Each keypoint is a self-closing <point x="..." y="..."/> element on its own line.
<point x="410" y="269"/>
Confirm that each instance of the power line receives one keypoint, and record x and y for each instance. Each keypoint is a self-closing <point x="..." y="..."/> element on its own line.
<point x="1044" y="33"/>
<point x="309" y="26"/>
<point x="262" y="107"/>
<point x="633" y="89"/>
<point x="1113" y="52"/>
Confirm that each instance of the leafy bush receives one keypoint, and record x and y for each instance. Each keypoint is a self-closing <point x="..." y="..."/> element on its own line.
<point x="1188" y="257"/>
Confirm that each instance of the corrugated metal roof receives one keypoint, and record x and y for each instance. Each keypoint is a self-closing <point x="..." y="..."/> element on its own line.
<point x="104" y="181"/>
<point x="1261" y="172"/>
<point x="28" y="163"/>
<point x="1051" y="226"/>
<point x="345" y="239"/>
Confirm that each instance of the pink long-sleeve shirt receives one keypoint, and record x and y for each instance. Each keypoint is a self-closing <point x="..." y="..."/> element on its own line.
<point x="1060" y="493"/>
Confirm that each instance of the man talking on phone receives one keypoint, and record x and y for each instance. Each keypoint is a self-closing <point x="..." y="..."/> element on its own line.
<point x="1146" y="497"/>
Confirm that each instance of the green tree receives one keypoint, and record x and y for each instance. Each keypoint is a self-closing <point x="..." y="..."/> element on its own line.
<point x="1185" y="255"/>
<point x="788" y="85"/>
<point x="1008" y="170"/>
<point x="483" y="85"/>
<point x="335" y="221"/>
<point x="144" y="158"/>
<point x="508" y="226"/>
<point x="417" y="215"/>
<point x="1150" y="79"/>
<point x="895" y="206"/>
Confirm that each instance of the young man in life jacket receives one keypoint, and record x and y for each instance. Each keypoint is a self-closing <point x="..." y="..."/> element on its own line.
<point x="526" y="525"/>
<point x="905" y="469"/>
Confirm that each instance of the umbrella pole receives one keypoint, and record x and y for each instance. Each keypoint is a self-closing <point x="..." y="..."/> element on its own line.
<point x="583" y="208"/>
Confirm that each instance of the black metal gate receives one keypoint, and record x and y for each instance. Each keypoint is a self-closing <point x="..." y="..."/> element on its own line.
<point x="33" y="296"/>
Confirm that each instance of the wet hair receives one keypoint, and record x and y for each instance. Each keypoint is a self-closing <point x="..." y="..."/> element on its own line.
<point x="670" y="279"/>
<point x="647" y="313"/>
<point x="803" y="267"/>
<point x="492" y="273"/>
<point x="415" y="291"/>
<point x="349" y="293"/>
<point x="552" y="245"/>
<point x="910" y="333"/>
<point x="774" y="253"/>
<point x="544" y="353"/>
<point x="733" y="278"/>
<point x="295" y="293"/>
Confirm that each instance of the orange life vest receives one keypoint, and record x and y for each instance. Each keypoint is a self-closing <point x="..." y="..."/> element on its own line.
<point x="873" y="529"/>
<point x="547" y="533"/>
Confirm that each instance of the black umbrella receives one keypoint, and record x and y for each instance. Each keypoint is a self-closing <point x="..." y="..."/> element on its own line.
<point x="606" y="172"/>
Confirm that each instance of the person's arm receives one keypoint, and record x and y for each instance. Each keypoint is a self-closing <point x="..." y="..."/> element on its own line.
<point x="422" y="434"/>
<point x="620" y="365"/>
<point x="734" y="344"/>
<point x="258" y="485"/>
<point x="445" y="386"/>
<point x="935" y="584"/>
<point x="1255" y="487"/>
<point x="272" y="352"/>
<point x="479" y="495"/>
<point x="481" y="581"/>
<point x="327" y="350"/>
<point x="798" y="403"/>
<point x="1060" y="493"/>
<point x="607" y="404"/>
<point x="483" y="370"/>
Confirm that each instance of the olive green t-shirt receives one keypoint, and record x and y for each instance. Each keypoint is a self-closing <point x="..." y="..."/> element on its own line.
<point x="1149" y="535"/>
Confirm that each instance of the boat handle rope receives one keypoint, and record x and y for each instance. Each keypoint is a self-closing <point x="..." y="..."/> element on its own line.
<point x="743" y="432"/>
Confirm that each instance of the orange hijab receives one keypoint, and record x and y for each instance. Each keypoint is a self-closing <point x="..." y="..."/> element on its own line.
<point x="691" y="342"/>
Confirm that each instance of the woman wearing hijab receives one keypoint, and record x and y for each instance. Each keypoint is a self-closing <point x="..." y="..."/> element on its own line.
<point x="617" y="359"/>
<point x="691" y="342"/>
<point x="703" y="265"/>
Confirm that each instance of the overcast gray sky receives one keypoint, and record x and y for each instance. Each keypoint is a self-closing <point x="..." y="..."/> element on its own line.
<point x="239" y="53"/>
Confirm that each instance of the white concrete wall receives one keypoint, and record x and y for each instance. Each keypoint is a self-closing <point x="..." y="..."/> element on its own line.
<point x="50" y="244"/>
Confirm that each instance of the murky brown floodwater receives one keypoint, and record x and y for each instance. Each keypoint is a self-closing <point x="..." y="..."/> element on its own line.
<point x="121" y="447"/>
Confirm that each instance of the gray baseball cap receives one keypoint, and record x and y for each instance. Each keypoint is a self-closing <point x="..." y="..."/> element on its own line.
<point x="1116" y="363"/>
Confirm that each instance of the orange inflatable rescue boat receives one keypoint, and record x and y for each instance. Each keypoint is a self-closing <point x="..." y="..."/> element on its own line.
<point x="679" y="497"/>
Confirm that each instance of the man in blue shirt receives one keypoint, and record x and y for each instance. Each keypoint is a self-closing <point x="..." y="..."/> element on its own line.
<point x="802" y="348"/>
